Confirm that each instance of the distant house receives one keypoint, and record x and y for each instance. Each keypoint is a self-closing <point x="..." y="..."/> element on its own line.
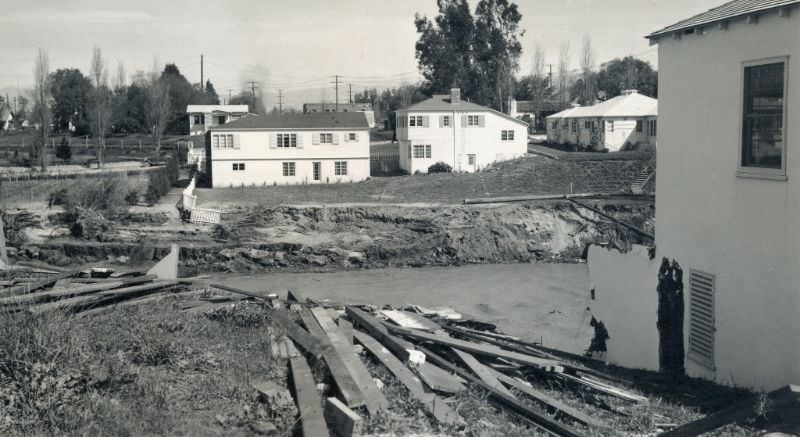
<point x="535" y="112"/>
<point x="6" y="117"/>
<point x="201" y="119"/>
<point x="628" y="119"/>
<point x="727" y="200"/>
<point x="365" y="108"/>
<point x="464" y="135"/>
<point x="289" y="149"/>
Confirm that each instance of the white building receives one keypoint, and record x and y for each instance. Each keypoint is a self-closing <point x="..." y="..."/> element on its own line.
<point x="365" y="108"/>
<point x="289" y="149"/>
<point x="6" y="117"/>
<point x="464" y="135"/>
<point x="728" y="198"/>
<point x="201" y="119"/>
<point x="628" y="119"/>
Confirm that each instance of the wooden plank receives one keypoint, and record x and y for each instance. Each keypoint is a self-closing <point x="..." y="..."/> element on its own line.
<point x="411" y="320"/>
<point x="529" y="414"/>
<point x="483" y="372"/>
<point x="344" y="421"/>
<point x="784" y="397"/>
<point x="309" y="402"/>
<point x="435" y="405"/>
<point x="27" y="299"/>
<point x="294" y="296"/>
<point x="155" y="297"/>
<point x="100" y="298"/>
<point x="398" y="346"/>
<point x="604" y="388"/>
<point x="347" y="328"/>
<point x="375" y="401"/>
<point x="481" y="349"/>
<point x="34" y="286"/>
<point x="345" y="381"/>
<point x="439" y="379"/>
<point x="308" y="342"/>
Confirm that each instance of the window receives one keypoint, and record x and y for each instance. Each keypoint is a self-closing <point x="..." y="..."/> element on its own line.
<point x="471" y="159"/>
<point x="287" y="140"/>
<point x="222" y="141"/>
<point x="587" y="124"/>
<point x="316" y="170"/>
<point x="473" y="120"/>
<point x="422" y="151"/>
<point x="221" y="119"/>
<point x="326" y="138"/>
<point x="199" y="119"/>
<point x="352" y="136"/>
<point x="340" y="168"/>
<point x="507" y="135"/>
<point x="445" y="121"/>
<point x="702" y="287"/>
<point x="415" y="120"/>
<point x="288" y="168"/>
<point x="238" y="166"/>
<point x="639" y="126"/>
<point x="610" y="125"/>
<point x="215" y="141"/>
<point x="763" y="145"/>
<point x="653" y="128"/>
<point x="574" y="126"/>
<point x="555" y="125"/>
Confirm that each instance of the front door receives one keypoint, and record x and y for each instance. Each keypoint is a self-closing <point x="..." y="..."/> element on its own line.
<point x="471" y="161"/>
<point x="317" y="171"/>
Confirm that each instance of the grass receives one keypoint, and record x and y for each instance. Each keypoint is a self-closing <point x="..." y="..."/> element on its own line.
<point x="524" y="176"/>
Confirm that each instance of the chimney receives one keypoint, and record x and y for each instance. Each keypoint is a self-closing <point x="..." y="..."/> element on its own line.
<point x="455" y="96"/>
<point x="512" y="107"/>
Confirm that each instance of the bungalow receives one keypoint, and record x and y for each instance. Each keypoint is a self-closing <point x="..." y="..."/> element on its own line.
<point x="619" y="122"/>
<point x="727" y="204"/>
<point x="464" y="135"/>
<point x="289" y="149"/>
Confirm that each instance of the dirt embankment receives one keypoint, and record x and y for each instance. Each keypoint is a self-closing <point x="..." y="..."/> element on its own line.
<point x="290" y="238"/>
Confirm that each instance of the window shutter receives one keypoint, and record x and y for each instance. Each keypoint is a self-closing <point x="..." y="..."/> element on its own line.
<point x="236" y="144"/>
<point x="441" y="121"/>
<point x="701" y="317"/>
<point x="463" y="121"/>
<point x="335" y="138"/>
<point x="273" y="140"/>
<point x="426" y="121"/>
<point x="481" y="121"/>
<point x="356" y="137"/>
<point x="299" y="140"/>
<point x="315" y="139"/>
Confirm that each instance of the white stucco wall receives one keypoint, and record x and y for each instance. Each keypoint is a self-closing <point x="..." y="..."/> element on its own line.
<point x="263" y="164"/>
<point x="744" y="231"/>
<point x="626" y="301"/>
<point x="453" y="144"/>
<point x="624" y="132"/>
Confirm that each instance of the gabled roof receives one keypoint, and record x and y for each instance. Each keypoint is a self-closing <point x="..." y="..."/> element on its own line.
<point x="217" y="108"/>
<point x="729" y="10"/>
<point x="313" y="120"/>
<point x="441" y="103"/>
<point x="632" y="104"/>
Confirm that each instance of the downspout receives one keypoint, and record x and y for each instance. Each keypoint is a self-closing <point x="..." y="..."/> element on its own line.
<point x="454" y="138"/>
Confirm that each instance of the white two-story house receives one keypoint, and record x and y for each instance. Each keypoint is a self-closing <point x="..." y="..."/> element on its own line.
<point x="464" y="135"/>
<point x="290" y="149"/>
<point x="201" y="119"/>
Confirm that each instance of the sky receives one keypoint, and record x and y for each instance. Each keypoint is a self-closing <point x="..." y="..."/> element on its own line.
<point x="297" y="46"/>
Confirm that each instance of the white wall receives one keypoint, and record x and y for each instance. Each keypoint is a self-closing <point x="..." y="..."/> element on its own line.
<point x="745" y="231"/>
<point x="263" y="162"/>
<point x="624" y="132"/>
<point x="626" y="301"/>
<point x="453" y="144"/>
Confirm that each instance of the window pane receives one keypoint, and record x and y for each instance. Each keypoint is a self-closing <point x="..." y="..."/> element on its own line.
<point x="762" y="127"/>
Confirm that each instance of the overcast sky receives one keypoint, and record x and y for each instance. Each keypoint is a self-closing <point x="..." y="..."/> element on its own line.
<point x="297" y="45"/>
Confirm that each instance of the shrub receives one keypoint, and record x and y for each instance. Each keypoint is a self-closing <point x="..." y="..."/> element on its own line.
<point x="63" y="151"/>
<point x="440" y="167"/>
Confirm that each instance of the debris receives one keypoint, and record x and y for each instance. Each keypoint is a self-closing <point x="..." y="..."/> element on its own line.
<point x="440" y="380"/>
<point x="411" y="320"/>
<point x="483" y="372"/>
<point x="275" y="396"/>
<point x="344" y="421"/>
<point x="400" y="347"/>
<point x="308" y="400"/>
<point x="167" y="268"/>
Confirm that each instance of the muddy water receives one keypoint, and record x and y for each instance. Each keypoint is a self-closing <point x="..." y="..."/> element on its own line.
<point x="544" y="302"/>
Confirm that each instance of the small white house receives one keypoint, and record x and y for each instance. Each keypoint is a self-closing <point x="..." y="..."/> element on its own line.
<point x="628" y="119"/>
<point x="6" y="117"/>
<point x="289" y="149"/>
<point x="727" y="200"/>
<point x="464" y="135"/>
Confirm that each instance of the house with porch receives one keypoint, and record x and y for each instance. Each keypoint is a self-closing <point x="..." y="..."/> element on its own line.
<point x="727" y="203"/>
<point x="626" y="120"/>
<point x="314" y="148"/>
<point x="467" y="136"/>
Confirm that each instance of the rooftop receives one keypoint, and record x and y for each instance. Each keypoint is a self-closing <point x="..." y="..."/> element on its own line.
<point x="442" y="102"/>
<point x="630" y="104"/>
<point x="217" y="108"/>
<point x="733" y="9"/>
<point x="314" y="120"/>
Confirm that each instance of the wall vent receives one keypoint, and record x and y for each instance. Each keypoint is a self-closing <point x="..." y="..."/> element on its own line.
<point x="701" y="317"/>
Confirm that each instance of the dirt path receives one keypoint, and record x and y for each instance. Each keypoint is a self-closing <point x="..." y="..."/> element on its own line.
<point x="533" y="301"/>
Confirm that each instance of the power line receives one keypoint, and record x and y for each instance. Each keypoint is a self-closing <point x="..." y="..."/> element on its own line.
<point x="253" y="87"/>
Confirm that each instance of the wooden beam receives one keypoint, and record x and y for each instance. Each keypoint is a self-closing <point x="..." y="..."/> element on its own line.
<point x="605" y="388"/>
<point x="53" y="294"/>
<point x="435" y="405"/>
<point x="439" y="379"/>
<point x="411" y="320"/>
<point x="402" y="348"/>
<point x="309" y="402"/>
<point x="308" y="342"/>
<point x="511" y="199"/>
<point x="104" y="297"/>
<point x="344" y="421"/>
<point x="346" y="327"/>
<point x="483" y="372"/>
<point x="481" y="349"/>
<point x="294" y="296"/>
<point x="375" y="401"/>
<point x="155" y="297"/>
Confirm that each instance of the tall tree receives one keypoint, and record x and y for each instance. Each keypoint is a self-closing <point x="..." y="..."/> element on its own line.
<point x="536" y="86"/>
<point x="41" y="104"/>
<point x="159" y="104"/>
<point x="496" y="50"/>
<point x="120" y="78"/>
<point x="564" y="74"/>
<point x="210" y="93"/>
<point x="627" y="73"/>
<point x="181" y="94"/>
<point x="71" y="91"/>
<point x="99" y="104"/>
<point x="587" y="95"/>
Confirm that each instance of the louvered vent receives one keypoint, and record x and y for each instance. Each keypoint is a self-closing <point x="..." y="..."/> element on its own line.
<point x="701" y="317"/>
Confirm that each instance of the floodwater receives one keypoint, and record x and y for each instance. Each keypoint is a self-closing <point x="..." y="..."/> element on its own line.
<point x="538" y="302"/>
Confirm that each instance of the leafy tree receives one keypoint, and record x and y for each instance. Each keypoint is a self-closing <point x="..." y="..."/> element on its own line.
<point x="368" y="95"/>
<point x="63" y="151"/>
<point x="210" y="93"/>
<point x="181" y="94"/>
<point x="71" y="91"/>
<point x="627" y="73"/>
<point x="246" y="98"/>
<point x="497" y="51"/>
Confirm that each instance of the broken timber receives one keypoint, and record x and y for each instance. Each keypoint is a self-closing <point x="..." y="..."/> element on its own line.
<point x="398" y="346"/>
<point x="605" y="388"/>
<point x="341" y="418"/>
<point x="303" y="338"/>
<point x="375" y="400"/>
<point x="98" y="299"/>
<point x="483" y="372"/>
<point x="439" y="379"/>
<point x="434" y="404"/>
<point x="309" y="403"/>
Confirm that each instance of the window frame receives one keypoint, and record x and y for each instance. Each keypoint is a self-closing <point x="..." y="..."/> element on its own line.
<point x="414" y="121"/>
<point x="652" y="127"/>
<point x="470" y="119"/>
<point x="340" y="168"/>
<point x="326" y="138"/>
<point x="425" y="151"/>
<point x="288" y="169"/>
<point x="639" y="126"/>
<point x="507" y="135"/>
<point x="352" y="136"/>
<point x="761" y="172"/>
<point x="445" y="121"/>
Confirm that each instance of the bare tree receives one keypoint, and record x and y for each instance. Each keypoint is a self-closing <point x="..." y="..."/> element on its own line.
<point x="157" y="104"/>
<point x="541" y="79"/>
<point x="41" y="104"/>
<point x="120" y="80"/>
<point x="100" y="104"/>
<point x="563" y="74"/>
<point x="587" y="71"/>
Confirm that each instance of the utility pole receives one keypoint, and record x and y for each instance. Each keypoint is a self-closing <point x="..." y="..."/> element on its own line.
<point x="229" y="95"/>
<point x="350" y="85"/>
<point x="202" y="82"/>
<point x="550" y="75"/>
<point x="280" y="101"/>
<point x="336" y="81"/>
<point x="253" y="87"/>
